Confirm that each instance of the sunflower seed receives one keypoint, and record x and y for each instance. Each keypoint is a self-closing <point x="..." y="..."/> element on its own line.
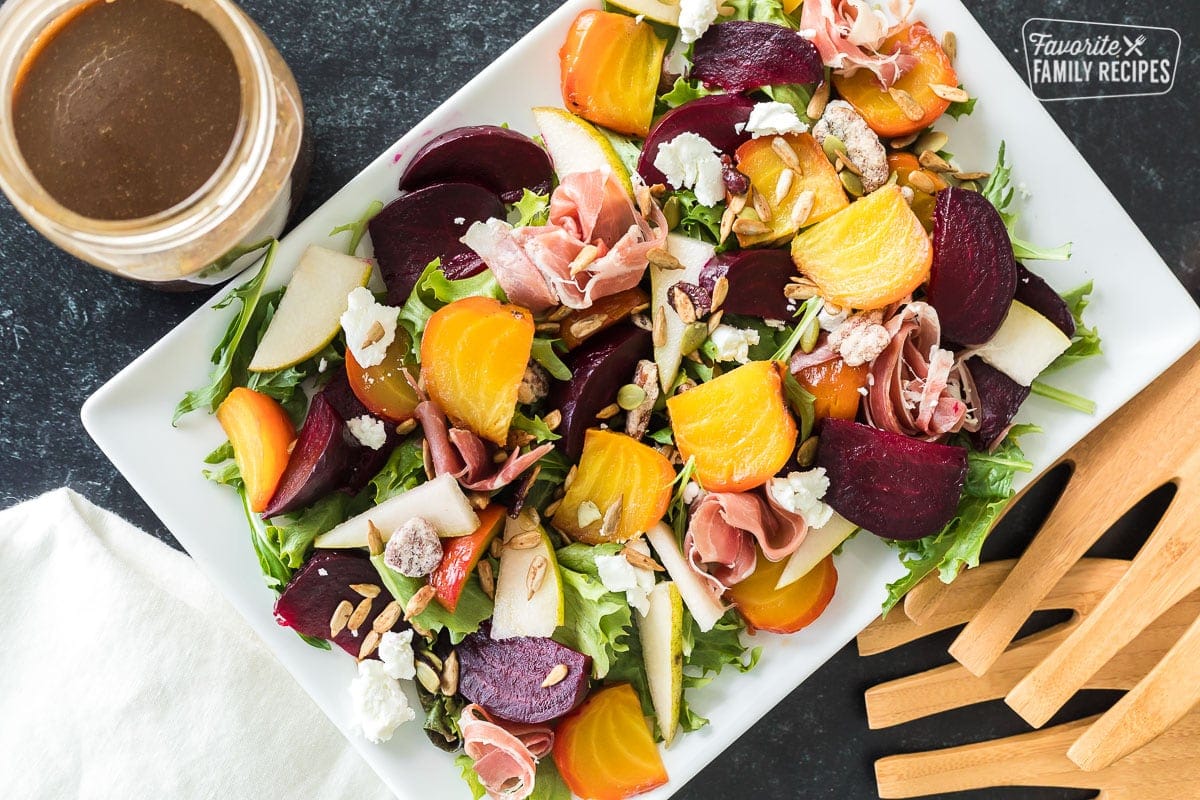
<point x="820" y="98"/>
<point x="783" y="185"/>
<point x="727" y="220"/>
<point x="584" y="259"/>
<point x="406" y="427"/>
<point x="369" y="643"/>
<point x="360" y="614"/>
<point x="714" y="321"/>
<point x="972" y="176"/>
<point x="375" y="334"/>
<point x="908" y="106"/>
<point x="374" y="539"/>
<point x="659" y="333"/>
<point x="660" y="258"/>
<point x="559" y="314"/>
<point x="950" y="45"/>
<point x="922" y="181"/>
<point x="365" y="590"/>
<point x="479" y="500"/>
<point x="800" y="291"/>
<point x="932" y="161"/>
<point x="553" y="419"/>
<point x="844" y="162"/>
<point x="428" y="678"/>
<point x="803" y="207"/>
<point x="420" y="629"/>
<point x="449" y="683"/>
<point x="571" y="473"/>
<point x="853" y="183"/>
<point x="786" y="153"/>
<point x="737" y="202"/>
<point x="762" y="207"/>
<point x="495" y="547"/>
<point x="584" y="327"/>
<point x="806" y="453"/>
<point x="609" y="411"/>
<point x="418" y="602"/>
<point x="427" y="460"/>
<point x="684" y="307"/>
<point x="341" y="615"/>
<point x="720" y="292"/>
<point x="536" y="576"/>
<point x="970" y="186"/>
<point x="641" y="560"/>
<point x="555" y="676"/>
<point x="644" y="202"/>
<point x="749" y="227"/>
<point x="951" y="93"/>
<point x="612" y="518"/>
<point x="726" y="11"/>
<point x="524" y="541"/>
<point x="292" y="446"/>
<point x="487" y="579"/>
<point x="903" y="141"/>
<point x="657" y="190"/>
<point x="931" y="140"/>
<point x="387" y="618"/>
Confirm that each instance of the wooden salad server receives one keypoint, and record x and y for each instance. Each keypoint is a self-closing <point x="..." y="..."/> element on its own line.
<point x="1135" y="452"/>
<point x="1167" y="768"/>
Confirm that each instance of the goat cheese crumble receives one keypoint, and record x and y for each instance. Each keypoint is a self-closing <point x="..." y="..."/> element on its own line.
<point x="690" y="161"/>
<point x="370" y="327"/>
<point x="396" y="653"/>
<point x="801" y="493"/>
<point x="772" y="119"/>
<point x="379" y="702"/>
<point x="369" y="431"/>
<point x="618" y="575"/>
<point x="695" y="17"/>
<point x="733" y="344"/>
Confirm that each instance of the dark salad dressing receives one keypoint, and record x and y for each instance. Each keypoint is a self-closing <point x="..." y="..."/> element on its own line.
<point x="126" y="107"/>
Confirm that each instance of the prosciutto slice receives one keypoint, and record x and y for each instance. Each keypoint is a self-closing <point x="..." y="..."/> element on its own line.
<point x="533" y="264"/>
<point x="505" y="756"/>
<point x="847" y="34"/>
<point x="724" y="528"/>
<point x="914" y="388"/>
<point x="465" y="456"/>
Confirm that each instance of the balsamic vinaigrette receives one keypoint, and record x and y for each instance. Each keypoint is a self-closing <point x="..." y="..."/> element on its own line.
<point x="125" y="108"/>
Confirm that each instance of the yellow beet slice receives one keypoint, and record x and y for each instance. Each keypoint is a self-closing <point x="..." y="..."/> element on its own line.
<point x="759" y="161"/>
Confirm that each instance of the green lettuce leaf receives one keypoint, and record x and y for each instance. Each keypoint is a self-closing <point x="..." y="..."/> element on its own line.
<point x="698" y="220"/>
<point x="466" y="766"/>
<point x="358" y="228"/>
<point x="807" y="313"/>
<point x="685" y="91"/>
<point x="433" y="290"/>
<point x="986" y="493"/>
<point x="544" y="354"/>
<point x="1063" y="397"/>
<point x="234" y="351"/>
<point x="227" y="474"/>
<point x="534" y="426"/>
<point x="275" y="572"/>
<point x="961" y="109"/>
<point x="405" y="468"/>
<point x="760" y="11"/>
<point x="705" y="654"/>
<point x="999" y="191"/>
<point x="292" y="535"/>
<point x="795" y="95"/>
<point x="531" y="209"/>
<point x="547" y="783"/>
<point x="596" y="621"/>
<point x="473" y="605"/>
<point x="1085" y="343"/>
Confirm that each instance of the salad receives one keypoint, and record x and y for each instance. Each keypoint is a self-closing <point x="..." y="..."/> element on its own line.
<point x="603" y="403"/>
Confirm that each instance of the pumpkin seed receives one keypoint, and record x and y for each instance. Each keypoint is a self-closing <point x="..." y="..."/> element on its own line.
<point x="808" y="339"/>
<point x="693" y="336"/>
<point x="971" y="176"/>
<point x="449" y="683"/>
<point x="524" y="541"/>
<point x="428" y="677"/>
<point x="932" y="161"/>
<point x="833" y="147"/>
<point x="800" y="291"/>
<point x="660" y="258"/>
<point x="922" y="181"/>
<point x="714" y="321"/>
<point x="553" y="419"/>
<point x="641" y="560"/>
<point x="970" y="186"/>
<point x="673" y="211"/>
<point x="586" y="326"/>
<point x="931" y="140"/>
<point x="750" y="227"/>
<point x="852" y="183"/>
<point x="630" y="396"/>
<point x="406" y="427"/>
<point x="681" y="301"/>
<point x="844" y="163"/>
<point x="719" y="293"/>
<point x="806" y="453"/>
<point x="903" y="141"/>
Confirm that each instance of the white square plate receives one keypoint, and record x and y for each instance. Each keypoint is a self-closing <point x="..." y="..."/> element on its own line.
<point x="1145" y="317"/>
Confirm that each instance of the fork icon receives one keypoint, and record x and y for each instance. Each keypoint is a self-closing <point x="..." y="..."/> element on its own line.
<point x="1132" y="47"/>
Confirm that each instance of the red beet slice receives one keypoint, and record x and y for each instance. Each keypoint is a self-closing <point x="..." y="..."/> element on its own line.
<point x="892" y="485"/>
<point x="314" y="592"/>
<point x="500" y="160"/>
<point x="998" y="399"/>
<point x="368" y="462"/>
<point x="322" y="459"/>
<point x="742" y="55"/>
<point x="974" y="274"/>
<point x="423" y="225"/>
<point x="756" y="282"/>
<point x="599" y="367"/>
<point x="1038" y="295"/>
<point x="505" y="677"/>
<point x="712" y="117"/>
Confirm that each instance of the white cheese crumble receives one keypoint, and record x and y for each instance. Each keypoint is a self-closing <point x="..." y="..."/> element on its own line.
<point x="459" y="220"/>
<point x="379" y="702"/>
<point x="369" y="431"/>
<point x="691" y="491"/>
<point x="690" y="161"/>
<point x="677" y="62"/>
<point x="772" y="119"/>
<point x="362" y="321"/>
<point x="618" y="575"/>
<point x="777" y="324"/>
<point x="324" y="573"/>
<point x="831" y="317"/>
<point x="695" y="17"/>
<point x="396" y="653"/>
<point x="733" y="344"/>
<point x="801" y="493"/>
<point x="639" y="19"/>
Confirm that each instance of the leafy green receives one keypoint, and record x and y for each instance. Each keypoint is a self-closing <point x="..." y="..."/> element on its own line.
<point x="1086" y="342"/>
<point x="544" y="354"/>
<point x="677" y="508"/>
<point x="662" y="435"/>
<point x="293" y="535"/>
<point x="961" y="109"/>
<point x="552" y="471"/>
<point x="405" y="468"/>
<point x="630" y="667"/>
<point x="596" y="621"/>
<point x="227" y="474"/>
<point x="999" y="191"/>
<point x="986" y="493"/>
<point x="466" y="765"/>
<point x="795" y="95"/>
<point x="275" y="572"/>
<point x="531" y="209"/>
<point x="628" y="149"/>
<point x="473" y="605"/>
<point x="441" y="717"/>
<point x="358" y="228"/>
<point x="705" y="654"/>
<point x="223" y="453"/>
<point x="232" y="257"/>
<point x="234" y="351"/>
<point x="1062" y="396"/>
<point x="547" y="783"/>
<point x="535" y="426"/>
<point x="760" y="11"/>
<point x="808" y="316"/>
<point x="698" y="220"/>
<point x="433" y="290"/>
<point x="685" y="91"/>
<point x="801" y="401"/>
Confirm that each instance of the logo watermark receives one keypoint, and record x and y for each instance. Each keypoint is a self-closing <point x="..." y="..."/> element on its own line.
<point x="1075" y="60"/>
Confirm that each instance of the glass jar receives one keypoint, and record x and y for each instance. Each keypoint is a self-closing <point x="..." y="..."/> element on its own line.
<point x="207" y="237"/>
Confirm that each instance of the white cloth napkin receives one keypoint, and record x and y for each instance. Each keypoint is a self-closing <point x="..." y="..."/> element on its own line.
<point x="124" y="675"/>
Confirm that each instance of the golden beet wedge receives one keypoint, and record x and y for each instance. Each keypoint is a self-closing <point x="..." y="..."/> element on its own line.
<point x="473" y="357"/>
<point x="736" y="426"/>
<point x="760" y="160"/>
<point x="615" y="468"/>
<point x="871" y="254"/>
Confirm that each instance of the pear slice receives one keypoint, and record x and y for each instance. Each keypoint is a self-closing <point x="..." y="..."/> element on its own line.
<point x="440" y="502"/>
<point x="575" y="145"/>
<point x="661" y="632"/>
<point x="818" y="544"/>
<point x="309" y="315"/>
<point x="693" y="254"/>
<point x="529" y="591"/>
<point x="656" y="10"/>
<point x="1024" y="345"/>
<point x="706" y="610"/>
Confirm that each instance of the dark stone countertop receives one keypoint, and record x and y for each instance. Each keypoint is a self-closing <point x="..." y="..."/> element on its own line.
<point x="370" y="69"/>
